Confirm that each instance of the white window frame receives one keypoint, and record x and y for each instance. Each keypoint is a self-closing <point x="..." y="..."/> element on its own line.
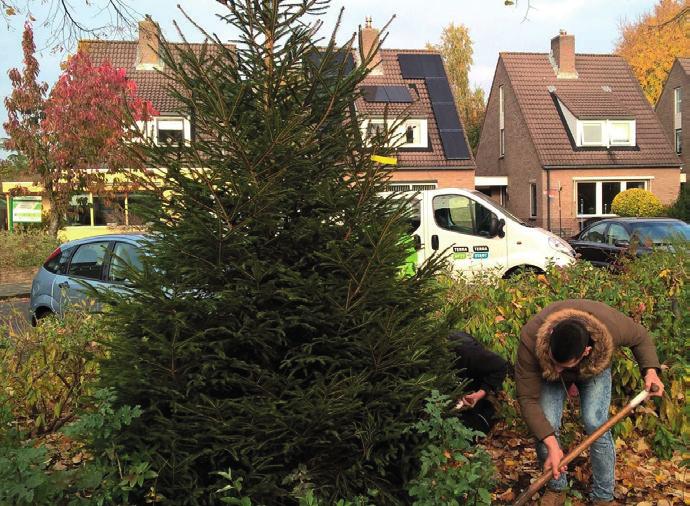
<point x="186" y="126"/>
<point x="501" y="123"/>
<point x="420" y="126"/>
<point x="581" y="136"/>
<point x="607" y="127"/>
<point x="406" y="186"/>
<point x="599" y="194"/>
<point x="677" y="100"/>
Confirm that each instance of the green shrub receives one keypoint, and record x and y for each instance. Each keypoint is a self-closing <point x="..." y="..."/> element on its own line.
<point x="46" y="370"/>
<point x="49" y="380"/>
<point x="25" y="249"/>
<point x="454" y="469"/>
<point x="681" y="207"/>
<point x="636" y="202"/>
<point x="653" y="290"/>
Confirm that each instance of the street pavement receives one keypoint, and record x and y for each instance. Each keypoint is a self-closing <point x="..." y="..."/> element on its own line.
<point x="15" y="311"/>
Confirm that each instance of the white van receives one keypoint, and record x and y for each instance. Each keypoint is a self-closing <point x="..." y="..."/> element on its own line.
<point x="479" y="234"/>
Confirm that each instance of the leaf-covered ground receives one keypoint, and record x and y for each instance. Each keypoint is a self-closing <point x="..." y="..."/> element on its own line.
<point x="641" y="478"/>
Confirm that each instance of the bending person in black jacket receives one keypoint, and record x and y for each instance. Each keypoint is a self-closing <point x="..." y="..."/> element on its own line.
<point x="486" y="371"/>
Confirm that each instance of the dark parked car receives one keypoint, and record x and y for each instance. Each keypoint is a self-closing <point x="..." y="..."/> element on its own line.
<point x="602" y="242"/>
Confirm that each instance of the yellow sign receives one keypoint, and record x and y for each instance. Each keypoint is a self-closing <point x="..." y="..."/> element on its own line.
<point x="385" y="160"/>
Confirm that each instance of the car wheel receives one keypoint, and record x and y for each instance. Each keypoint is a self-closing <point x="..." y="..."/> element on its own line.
<point x="40" y="313"/>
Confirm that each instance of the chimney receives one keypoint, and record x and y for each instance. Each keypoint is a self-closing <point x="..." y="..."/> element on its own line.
<point x="563" y="55"/>
<point x="147" y="46"/>
<point x="369" y="41"/>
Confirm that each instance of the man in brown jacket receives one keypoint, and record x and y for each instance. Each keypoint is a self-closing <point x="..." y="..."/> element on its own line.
<point x="568" y="343"/>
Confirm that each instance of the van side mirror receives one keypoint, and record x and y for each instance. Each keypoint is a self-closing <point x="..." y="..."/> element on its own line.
<point x="497" y="227"/>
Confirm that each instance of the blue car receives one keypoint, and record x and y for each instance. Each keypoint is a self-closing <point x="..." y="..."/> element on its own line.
<point x="69" y="272"/>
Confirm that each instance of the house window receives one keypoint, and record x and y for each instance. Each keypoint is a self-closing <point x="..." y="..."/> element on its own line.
<point x="501" y="123"/>
<point x="533" y="200"/>
<point x="620" y="133"/>
<point x="606" y="133"/>
<point x="170" y="131"/>
<point x="406" y="187"/>
<point x="678" y="99"/>
<point x="410" y="134"/>
<point x="595" y="198"/>
<point x="679" y="141"/>
<point x="592" y="133"/>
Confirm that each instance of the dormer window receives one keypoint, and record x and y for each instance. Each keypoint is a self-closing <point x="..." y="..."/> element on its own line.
<point x="409" y="134"/>
<point x="171" y="131"/>
<point x="605" y="133"/>
<point x="596" y="118"/>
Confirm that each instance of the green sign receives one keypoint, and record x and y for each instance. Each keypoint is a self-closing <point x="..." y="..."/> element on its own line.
<point x="26" y="209"/>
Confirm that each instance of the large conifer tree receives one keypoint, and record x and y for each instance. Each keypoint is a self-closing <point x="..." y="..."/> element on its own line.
<point x="271" y="331"/>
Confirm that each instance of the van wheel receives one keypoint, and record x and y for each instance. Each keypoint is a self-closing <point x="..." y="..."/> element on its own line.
<point x="522" y="269"/>
<point x="41" y="313"/>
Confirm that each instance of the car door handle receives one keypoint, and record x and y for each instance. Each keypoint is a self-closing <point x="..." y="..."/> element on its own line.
<point x="434" y="242"/>
<point x="64" y="284"/>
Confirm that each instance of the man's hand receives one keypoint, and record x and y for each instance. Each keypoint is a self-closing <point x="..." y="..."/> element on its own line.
<point x="472" y="399"/>
<point x="650" y="379"/>
<point x="554" y="458"/>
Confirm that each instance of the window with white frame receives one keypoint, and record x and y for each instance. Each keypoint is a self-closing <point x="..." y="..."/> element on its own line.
<point x="501" y="123"/>
<point x="170" y="131"/>
<point x="679" y="141"/>
<point x="533" y="200"/>
<point x="405" y="187"/>
<point x="678" y="100"/>
<point x="605" y="133"/>
<point x="411" y="133"/>
<point x="594" y="198"/>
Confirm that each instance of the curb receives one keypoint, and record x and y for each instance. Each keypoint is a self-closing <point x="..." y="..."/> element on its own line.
<point x="9" y="296"/>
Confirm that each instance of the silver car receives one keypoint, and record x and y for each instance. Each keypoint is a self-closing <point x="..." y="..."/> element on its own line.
<point x="69" y="272"/>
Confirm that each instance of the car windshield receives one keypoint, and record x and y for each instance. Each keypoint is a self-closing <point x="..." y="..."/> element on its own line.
<point x="510" y="215"/>
<point x="662" y="232"/>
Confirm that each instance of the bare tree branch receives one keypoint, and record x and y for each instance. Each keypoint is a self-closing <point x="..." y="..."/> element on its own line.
<point x="72" y="20"/>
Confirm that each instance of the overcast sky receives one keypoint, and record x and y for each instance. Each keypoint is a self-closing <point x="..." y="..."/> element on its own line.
<point x="493" y="27"/>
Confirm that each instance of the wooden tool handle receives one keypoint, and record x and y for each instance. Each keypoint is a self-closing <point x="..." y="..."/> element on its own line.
<point x="546" y="476"/>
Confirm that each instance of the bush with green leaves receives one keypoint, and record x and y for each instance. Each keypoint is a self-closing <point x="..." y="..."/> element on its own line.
<point x="653" y="290"/>
<point x="56" y="424"/>
<point x="25" y="249"/>
<point x="637" y="202"/>
<point x="455" y="470"/>
<point x="270" y="330"/>
<point x="681" y="207"/>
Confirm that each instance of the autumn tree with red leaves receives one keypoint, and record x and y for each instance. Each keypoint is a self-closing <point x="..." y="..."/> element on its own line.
<point x="79" y="132"/>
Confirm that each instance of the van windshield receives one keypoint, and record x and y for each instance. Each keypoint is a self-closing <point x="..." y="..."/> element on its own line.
<point x="510" y="215"/>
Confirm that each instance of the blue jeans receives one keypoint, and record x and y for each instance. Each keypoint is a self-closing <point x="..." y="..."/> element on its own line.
<point x="595" y="399"/>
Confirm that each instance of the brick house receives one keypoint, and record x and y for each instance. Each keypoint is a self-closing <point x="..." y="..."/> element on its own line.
<point x="565" y="132"/>
<point x="433" y="151"/>
<point x="674" y="113"/>
<point x="433" y="157"/>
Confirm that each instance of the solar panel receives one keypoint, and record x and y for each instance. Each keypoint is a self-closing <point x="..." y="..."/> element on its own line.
<point x="446" y="116"/>
<point x="430" y="68"/>
<point x="398" y="94"/>
<point x="420" y="66"/>
<point x="439" y="90"/>
<point x="454" y="145"/>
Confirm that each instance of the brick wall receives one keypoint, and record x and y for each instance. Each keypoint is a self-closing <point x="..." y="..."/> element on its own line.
<point x="520" y="162"/>
<point x="665" y="185"/>
<point x="665" y="109"/>
<point x="444" y="178"/>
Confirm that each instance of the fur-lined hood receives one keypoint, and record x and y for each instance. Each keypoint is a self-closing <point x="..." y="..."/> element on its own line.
<point x="594" y="363"/>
